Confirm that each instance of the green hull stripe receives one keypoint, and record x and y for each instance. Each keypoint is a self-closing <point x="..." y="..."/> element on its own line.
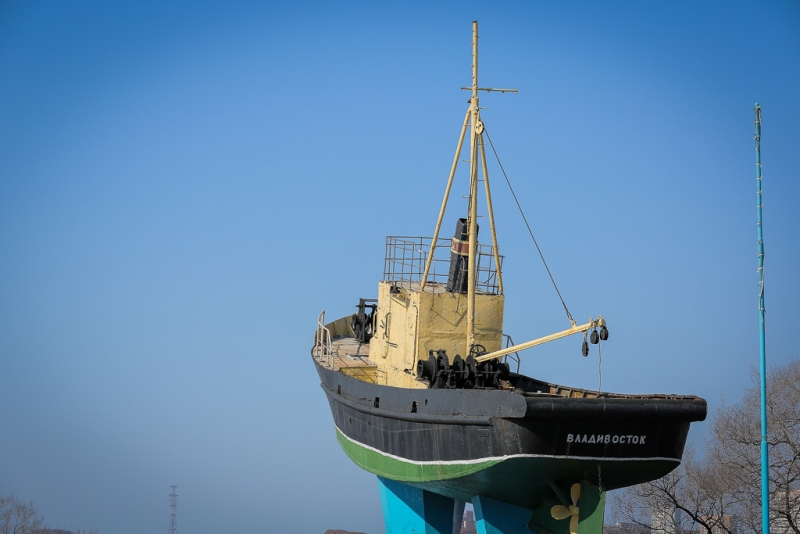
<point x="396" y="469"/>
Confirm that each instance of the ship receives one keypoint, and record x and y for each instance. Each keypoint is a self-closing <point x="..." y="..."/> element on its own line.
<point x="421" y="388"/>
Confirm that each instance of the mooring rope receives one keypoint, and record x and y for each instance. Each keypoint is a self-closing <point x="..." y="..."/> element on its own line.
<point x="569" y="315"/>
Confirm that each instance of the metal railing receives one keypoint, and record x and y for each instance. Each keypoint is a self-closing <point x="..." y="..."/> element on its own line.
<point x="323" y="345"/>
<point x="406" y="256"/>
<point x="514" y="355"/>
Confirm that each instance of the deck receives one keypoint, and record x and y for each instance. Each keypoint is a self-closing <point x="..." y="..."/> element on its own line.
<point x="350" y="357"/>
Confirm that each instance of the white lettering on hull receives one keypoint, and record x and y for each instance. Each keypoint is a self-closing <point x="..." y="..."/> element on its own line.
<point x="606" y="438"/>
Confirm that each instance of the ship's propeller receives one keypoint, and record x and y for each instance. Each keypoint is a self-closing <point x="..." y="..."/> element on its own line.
<point x="561" y="511"/>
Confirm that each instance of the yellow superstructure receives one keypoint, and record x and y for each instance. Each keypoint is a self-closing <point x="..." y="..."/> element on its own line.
<point x="418" y="315"/>
<point x="410" y="322"/>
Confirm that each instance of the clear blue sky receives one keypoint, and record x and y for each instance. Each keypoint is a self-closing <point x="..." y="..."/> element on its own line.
<point x="185" y="186"/>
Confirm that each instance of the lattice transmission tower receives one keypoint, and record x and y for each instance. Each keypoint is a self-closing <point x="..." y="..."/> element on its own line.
<point x="173" y="508"/>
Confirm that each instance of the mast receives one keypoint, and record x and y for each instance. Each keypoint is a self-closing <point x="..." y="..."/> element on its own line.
<point x="473" y="191"/>
<point x="762" y="344"/>
<point x="477" y="153"/>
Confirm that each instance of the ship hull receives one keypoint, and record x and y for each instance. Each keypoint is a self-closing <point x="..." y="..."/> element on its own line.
<point x="502" y="444"/>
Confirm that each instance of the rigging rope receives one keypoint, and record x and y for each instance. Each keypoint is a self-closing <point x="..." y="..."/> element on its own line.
<point x="599" y="368"/>
<point x="569" y="315"/>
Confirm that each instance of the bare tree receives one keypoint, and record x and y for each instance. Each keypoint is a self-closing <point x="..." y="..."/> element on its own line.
<point x="735" y="445"/>
<point x="725" y="483"/>
<point x="18" y="516"/>
<point x="690" y="497"/>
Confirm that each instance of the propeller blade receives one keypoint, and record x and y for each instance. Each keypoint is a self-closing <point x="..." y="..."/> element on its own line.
<point x="573" y="524"/>
<point x="560" y="512"/>
<point x="575" y="493"/>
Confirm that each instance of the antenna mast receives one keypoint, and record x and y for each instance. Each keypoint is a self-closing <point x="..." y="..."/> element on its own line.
<point x="173" y="508"/>
<point x="762" y="344"/>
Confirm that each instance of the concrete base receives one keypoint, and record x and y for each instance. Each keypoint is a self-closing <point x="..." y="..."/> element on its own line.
<point x="408" y="510"/>
<point x="495" y="517"/>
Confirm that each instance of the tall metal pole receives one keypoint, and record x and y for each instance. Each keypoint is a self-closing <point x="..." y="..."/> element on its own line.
<point x="173" y="509"/>
<point x="761" y="313"/>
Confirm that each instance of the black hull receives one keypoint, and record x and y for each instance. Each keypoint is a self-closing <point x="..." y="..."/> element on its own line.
<point x="506" y="444"/>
